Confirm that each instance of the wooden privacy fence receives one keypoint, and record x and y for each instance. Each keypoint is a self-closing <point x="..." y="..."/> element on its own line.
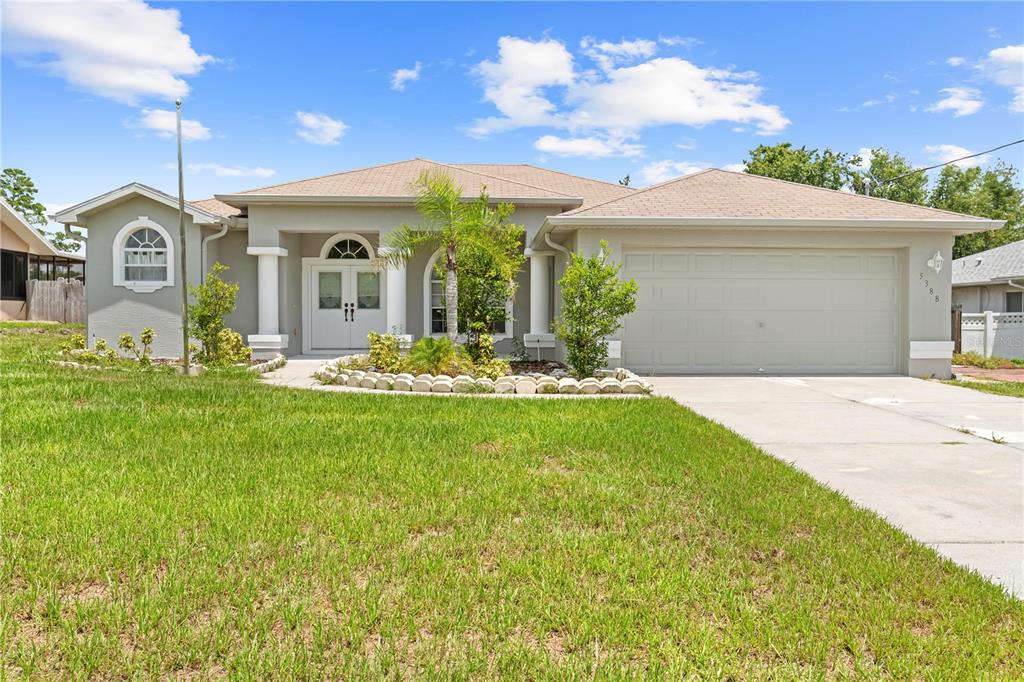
<point x="956" y="325"/>
<point x="61" y="300"/>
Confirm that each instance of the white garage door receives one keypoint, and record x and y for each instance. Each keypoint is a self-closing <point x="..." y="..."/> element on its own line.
<point x="738" y="311"/>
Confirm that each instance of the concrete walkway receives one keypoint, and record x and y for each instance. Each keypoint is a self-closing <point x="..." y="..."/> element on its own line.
<point x="904" y="447"/>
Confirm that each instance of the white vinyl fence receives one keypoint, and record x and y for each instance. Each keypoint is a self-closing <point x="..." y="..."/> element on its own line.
<point x="61" y="300"/>
<point x="993" y="334"/>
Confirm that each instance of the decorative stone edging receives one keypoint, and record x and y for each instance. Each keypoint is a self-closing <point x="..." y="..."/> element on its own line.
<point x="617" y="381"/>
<point x="276" y="362"/>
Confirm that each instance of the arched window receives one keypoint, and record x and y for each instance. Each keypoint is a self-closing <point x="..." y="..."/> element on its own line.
<point x="143" y="256"/>
<point x="348" y="249"/>
<point x="435" y="322"/>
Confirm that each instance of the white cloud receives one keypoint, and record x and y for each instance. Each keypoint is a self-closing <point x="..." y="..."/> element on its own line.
<point x="671" y="90"/>
<point x="589" y="147"/>
<point x="662" y="171"/>
<point x="865" y="154"/>
<point x="620" y="101"/>
<point x="956" y="61"/>
<point x="225" y="171"/>
<point x="942" y="153"/>
<point x="680" y="41"/>
<point x="120" y="50"/>
<point x="888" y="99"/>
<point x="608" y="55"/>
<point x="1005" y="66"/>
<point x="163" y="122"/>
<point x="516" y="83"/>
<point x="319" y="128"/>
<point x="402" y="76"/>
<point x="686" y="143"/>
<point x="961" y="101"/>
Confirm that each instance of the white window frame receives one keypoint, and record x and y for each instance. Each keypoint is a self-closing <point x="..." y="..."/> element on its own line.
<point x="141" y="287"/>
<point x="427" y="275"/>
<point x="335" y="238"/>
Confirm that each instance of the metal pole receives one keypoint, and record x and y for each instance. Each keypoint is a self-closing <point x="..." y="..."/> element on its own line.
<point x="181" y="238"/>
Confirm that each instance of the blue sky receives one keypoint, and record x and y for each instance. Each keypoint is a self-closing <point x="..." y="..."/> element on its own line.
<point x="277" y="92"/>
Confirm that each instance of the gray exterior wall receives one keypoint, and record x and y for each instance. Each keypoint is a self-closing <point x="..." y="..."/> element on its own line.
<point x="114" y="310"/>
<point x="978" y="299"/>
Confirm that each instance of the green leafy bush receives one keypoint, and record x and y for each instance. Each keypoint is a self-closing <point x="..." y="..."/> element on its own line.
<point x="384" y="352"/>
<point x="73" y="342"/>
<point x="214" y="300"/>
<point x="231" y="347"/>
<point x="141" y="351"/>
<point x="594" y="301"/>
<point x="492" y="369"/>
<point x="439" y="356"/>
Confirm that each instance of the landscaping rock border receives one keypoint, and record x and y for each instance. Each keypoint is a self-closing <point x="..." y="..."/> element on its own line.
<point x="276" y="362"/>
<point x="610" y="382"/>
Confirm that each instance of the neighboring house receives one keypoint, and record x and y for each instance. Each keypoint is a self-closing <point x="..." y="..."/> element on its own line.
<point x="989" y="287"/>
<point x="737" y="273"/>
<point x="26" y="254"/>
<point x="991" y="280"/>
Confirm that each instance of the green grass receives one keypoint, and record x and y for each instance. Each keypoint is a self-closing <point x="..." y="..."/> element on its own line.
<point x="1010" y="388"/>
<point x="155" y="525"/>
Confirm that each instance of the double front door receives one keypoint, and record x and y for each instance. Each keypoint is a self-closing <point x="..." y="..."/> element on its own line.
<point x="346" y="305"/>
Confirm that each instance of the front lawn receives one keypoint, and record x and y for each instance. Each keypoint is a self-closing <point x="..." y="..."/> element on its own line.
<point x="1010" y="388"/>
<point x="153" y="525"/>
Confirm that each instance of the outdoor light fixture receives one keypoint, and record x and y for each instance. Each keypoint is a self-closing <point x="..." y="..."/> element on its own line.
<point x="935" y="262"/>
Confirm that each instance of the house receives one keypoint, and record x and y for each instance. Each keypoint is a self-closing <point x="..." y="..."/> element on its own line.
<point x="737" y="273"/>
<point x="991" y="280"/>
<point x="989" y="288"/>
<point x="26" y="254"/>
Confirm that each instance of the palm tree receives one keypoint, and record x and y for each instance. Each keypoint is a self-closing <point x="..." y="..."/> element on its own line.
<point x="450" y="224"/>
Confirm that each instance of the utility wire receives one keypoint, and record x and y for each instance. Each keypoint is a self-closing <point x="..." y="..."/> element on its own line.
<point x="946" y="163"/>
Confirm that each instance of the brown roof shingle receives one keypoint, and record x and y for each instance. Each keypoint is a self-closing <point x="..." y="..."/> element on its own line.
<point x="716" y="193"/>
<point x="216" y="207"/>
<point x="398" y="179"/>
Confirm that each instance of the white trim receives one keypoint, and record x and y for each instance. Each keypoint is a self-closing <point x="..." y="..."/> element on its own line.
<point x="509" y="304"/>
<point x="973" y="225"/>
<point x="266" y="251"/>
<point x="75" y="214"/>
<point x="335" y="238"/>
<point x="118" y="255"/>
<point x="931" y="350"/>
<point x="239" y="200"/>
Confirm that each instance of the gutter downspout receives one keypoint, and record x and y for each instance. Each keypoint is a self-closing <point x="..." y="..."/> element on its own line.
<point x="555" y="245"/>
<point x="206" y="240"/>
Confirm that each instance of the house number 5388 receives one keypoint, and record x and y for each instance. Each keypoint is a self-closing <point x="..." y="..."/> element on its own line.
<point x="928" y="286"/>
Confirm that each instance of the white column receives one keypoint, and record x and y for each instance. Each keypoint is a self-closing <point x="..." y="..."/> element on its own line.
<point x="396" y="299"/>
<point x="540" y="335"/>
<point x="540" y="292"/>
<point x="267" y="292"/>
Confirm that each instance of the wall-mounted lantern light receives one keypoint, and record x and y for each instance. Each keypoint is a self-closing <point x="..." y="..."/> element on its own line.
<point x="935" y="262"/>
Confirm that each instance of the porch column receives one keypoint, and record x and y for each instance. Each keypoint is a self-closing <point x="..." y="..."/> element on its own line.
<point x="540" y="335"/>
<point x="268" y="337"/>
<point x="396" y="300"/>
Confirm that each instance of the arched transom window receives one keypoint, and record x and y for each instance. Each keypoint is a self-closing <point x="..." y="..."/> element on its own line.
<point x="145" y="256"/>
<point x="348" y="249"/>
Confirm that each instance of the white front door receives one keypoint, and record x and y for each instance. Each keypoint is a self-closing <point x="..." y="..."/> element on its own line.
<point x="345" y="306"/>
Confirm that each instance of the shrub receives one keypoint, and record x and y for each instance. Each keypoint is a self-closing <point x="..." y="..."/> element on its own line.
<point x="594" y="301"/>
<point x="975" y="359"/>
<point x="480" y="347"/>
<point x="214" y="300"/>
<point x="142" y="350"/>
<point x="439" y="356"/>
<point x="492" y="369"/>
<point x="231" y="347"/>
<point x="384" y="352"/>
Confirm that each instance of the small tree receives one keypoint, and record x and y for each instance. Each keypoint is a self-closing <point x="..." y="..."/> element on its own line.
<point x="215" y="300"/>
<point x="452" y="224"/>
<point x="594" y="301"/>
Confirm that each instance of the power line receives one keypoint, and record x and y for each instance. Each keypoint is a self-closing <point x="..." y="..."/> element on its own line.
<point x="946" y="163"/>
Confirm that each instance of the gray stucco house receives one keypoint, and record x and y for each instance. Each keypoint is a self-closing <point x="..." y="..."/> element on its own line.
<point x="991" y="280"/>
<point x="737" y="273"/>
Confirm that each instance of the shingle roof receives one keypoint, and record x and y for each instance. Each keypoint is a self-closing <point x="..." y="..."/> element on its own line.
<point x="592" y="191"/>
<point x="216" y="207"/>
<point x="716" y="193"/>
<point x="1002" y="262"/>
<point x="398" y="179"/>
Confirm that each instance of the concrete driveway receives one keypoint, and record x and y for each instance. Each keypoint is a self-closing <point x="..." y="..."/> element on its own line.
<point x="904" y="447"/>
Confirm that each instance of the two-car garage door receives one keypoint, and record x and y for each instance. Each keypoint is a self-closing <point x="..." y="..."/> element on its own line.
<point x="780" y="311"/>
